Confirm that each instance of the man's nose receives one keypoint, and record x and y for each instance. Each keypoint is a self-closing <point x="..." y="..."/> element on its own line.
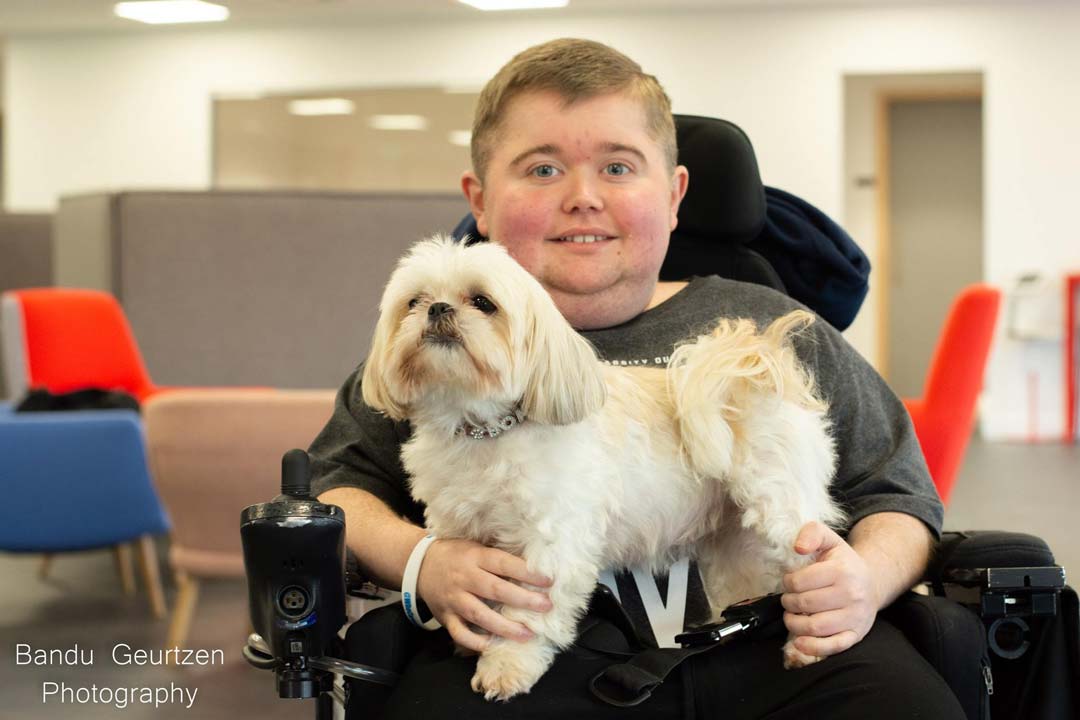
<point x="437" y="310"/>
<point x="583" y="193"/>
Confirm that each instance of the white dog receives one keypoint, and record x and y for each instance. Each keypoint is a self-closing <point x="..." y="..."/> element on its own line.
<point x="525" y="441"/>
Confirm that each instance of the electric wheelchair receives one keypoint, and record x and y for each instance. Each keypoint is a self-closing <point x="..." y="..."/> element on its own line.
<point x="999" y="624"/>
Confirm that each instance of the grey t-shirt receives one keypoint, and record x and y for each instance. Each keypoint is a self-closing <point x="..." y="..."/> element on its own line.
<point x="879" y="465"/>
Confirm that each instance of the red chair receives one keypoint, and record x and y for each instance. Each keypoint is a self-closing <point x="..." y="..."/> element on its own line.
<point x="64" y="339"/>
<point x="945" y="415"/>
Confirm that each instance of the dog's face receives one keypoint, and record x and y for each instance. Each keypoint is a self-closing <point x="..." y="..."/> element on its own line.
<point x="466" y="330"/>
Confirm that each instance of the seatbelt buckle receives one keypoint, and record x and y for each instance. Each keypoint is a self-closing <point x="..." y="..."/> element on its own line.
<point x="737" y="618"/>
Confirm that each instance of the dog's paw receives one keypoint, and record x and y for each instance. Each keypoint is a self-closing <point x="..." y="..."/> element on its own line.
<point x="795" y="658"/>
<point x="505" y="670"/>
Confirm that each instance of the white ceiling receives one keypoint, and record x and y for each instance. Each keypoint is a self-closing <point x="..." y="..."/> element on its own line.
<point x="18" y="17"/>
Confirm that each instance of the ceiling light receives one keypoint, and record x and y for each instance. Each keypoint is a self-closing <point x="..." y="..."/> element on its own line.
<point x="514" y="4"/>
<point x="171" y="11"/>
<point x="398" y="122"/>
<point x="460" y="137"/>
<point x="322" y="106"/>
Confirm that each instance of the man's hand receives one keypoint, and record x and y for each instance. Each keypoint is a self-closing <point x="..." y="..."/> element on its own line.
<point x="458" y="576"/>
<point x="831" y="604"/>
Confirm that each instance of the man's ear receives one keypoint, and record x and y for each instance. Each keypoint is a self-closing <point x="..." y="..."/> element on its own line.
<point x="680" y="181"/>
<point x="474" y="193"/>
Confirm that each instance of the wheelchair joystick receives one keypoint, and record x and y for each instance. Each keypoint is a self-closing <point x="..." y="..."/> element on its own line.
<point x="296" y="475"/>
<point x="294" y="557"/>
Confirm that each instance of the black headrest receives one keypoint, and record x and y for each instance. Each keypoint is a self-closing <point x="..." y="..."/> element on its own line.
<point x="724" y="206"/>
<point x="725" y="201"/>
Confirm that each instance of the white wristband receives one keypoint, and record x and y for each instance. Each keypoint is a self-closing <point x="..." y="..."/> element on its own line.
<point x="409" y="596"/>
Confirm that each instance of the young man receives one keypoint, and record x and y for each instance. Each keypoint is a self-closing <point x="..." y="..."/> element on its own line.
<point x="574" y="172"/>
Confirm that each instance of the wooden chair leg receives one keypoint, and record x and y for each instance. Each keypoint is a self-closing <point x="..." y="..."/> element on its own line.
<point x="46" y="563"/>
<point x="122" y="554"/>
<point x="148" y="565"/>
<point x="186" y="599"/>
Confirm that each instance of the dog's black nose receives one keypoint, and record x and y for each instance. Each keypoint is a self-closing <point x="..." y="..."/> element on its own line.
<point x="437" y="310"/>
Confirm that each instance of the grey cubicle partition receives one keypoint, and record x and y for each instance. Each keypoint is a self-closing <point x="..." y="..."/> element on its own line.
<point x="246" y="288"/>
<point x="25" y="256"/>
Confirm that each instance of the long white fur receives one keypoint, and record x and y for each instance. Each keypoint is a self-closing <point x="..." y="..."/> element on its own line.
<point x="723" y="456"/>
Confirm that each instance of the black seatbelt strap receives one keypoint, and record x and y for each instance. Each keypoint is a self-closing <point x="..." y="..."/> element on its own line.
<point x="632" y="682"/>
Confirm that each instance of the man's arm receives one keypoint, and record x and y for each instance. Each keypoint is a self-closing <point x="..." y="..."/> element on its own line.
<point x="380" y="539"/>
<point x="831" y="604"/>
<point x="454" y="576"/>
<point x="896" y="547"/>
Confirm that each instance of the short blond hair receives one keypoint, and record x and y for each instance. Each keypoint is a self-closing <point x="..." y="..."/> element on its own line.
<point x="576" y="70"/>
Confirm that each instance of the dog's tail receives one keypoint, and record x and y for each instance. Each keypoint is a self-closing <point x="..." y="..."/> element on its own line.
<point x="726" y="384"/>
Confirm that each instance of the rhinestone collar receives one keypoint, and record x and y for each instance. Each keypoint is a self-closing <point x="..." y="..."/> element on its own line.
<point x="503" y="424"/>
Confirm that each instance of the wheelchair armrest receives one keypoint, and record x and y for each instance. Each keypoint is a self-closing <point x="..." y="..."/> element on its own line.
<point x="975" y="550"/>
<point x="1000" y="573"/>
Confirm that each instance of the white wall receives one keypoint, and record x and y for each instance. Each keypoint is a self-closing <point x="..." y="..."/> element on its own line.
<point x="133" y="110"/>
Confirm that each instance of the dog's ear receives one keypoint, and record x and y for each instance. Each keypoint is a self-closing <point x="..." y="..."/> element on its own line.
<point x="565" y="381"/>
<point x="380" y="377"/>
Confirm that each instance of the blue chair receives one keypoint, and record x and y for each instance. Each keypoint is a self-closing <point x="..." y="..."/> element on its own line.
<point x="79" y="481"/>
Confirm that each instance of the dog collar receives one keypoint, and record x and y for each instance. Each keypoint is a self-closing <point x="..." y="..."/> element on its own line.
<point x="503" y="424"/>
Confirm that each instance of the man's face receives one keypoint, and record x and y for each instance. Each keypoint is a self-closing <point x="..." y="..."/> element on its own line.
<point x="581" y="196"/>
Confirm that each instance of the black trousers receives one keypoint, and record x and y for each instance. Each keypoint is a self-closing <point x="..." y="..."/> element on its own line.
<point x="882" y="677"/>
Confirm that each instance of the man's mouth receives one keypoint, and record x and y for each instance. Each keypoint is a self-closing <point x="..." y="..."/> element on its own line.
<point x="583" y="239"/>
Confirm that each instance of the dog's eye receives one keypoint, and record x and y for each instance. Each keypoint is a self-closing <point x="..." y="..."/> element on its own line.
<point x="413" y="302"/>
<point x="481" y="303"/>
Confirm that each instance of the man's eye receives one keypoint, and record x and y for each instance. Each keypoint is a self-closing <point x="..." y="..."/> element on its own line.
<point x="617" y="168"/>
<point x="481" y="303"/>
<point x="544" y="171"/>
